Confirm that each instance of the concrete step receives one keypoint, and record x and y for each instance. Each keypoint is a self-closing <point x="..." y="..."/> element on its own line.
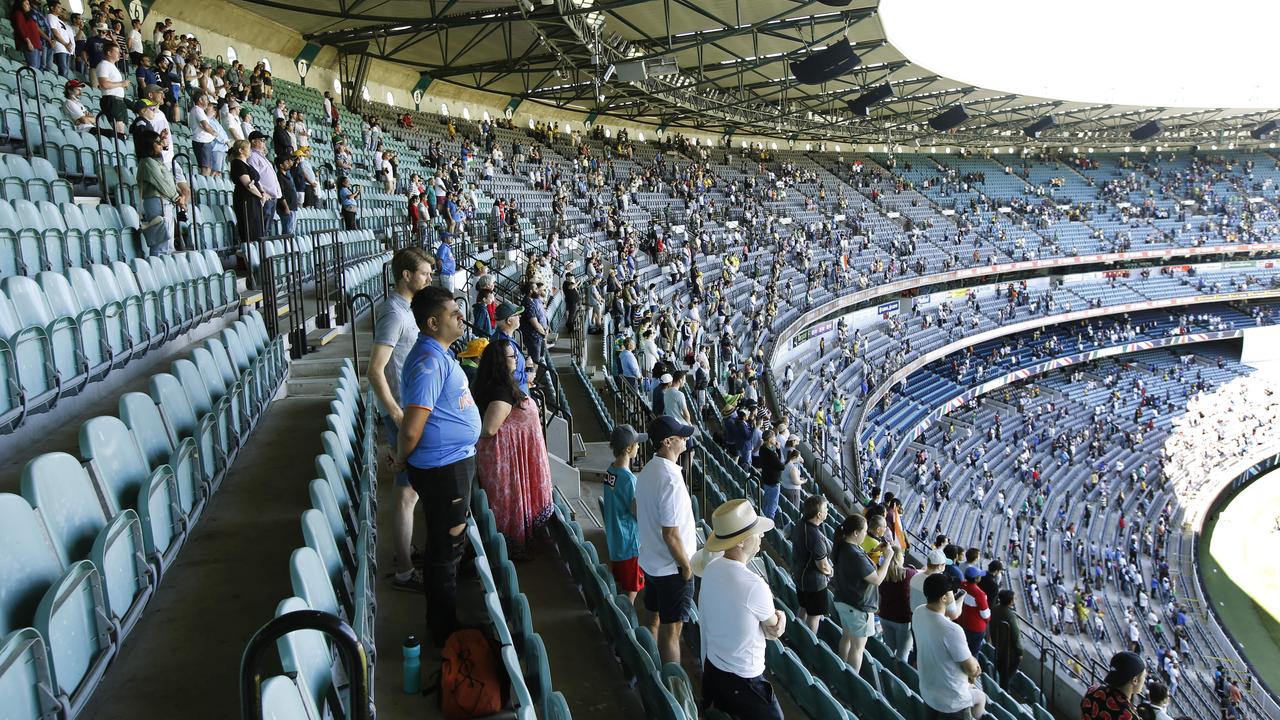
<point x="316" y="368"/>
<point x="312" y="386"/>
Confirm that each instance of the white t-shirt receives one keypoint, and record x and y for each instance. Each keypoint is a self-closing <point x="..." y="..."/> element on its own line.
<point x="662" y="500"/>
<point x="74" y="110"/>
<point x="940" y="648"/>
<point x="198" y="120"/>
<point x="160" y="123"/>
<point x="674" y="403"/>
<point x="108" y="71"/>
<point x="918" y="598"/>
<point x="64" y="41"/>
<point x="135" y="41"/>
<point x="732" y="603"/>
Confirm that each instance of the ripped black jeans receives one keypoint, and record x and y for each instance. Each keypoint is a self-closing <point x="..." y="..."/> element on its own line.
<point x="444" y="493"/>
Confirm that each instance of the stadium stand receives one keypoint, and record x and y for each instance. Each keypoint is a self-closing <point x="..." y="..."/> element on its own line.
<point x="713" y="256"/>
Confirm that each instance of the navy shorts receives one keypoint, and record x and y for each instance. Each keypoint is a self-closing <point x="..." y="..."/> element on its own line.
<point x="204" y="154"/>
<point x="671" y="596"/>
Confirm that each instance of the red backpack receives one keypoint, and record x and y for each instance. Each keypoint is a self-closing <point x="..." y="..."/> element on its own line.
<point x="472" y="680"/>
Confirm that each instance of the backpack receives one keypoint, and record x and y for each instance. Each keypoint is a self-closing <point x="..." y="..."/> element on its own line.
<point x="472" y="681"/>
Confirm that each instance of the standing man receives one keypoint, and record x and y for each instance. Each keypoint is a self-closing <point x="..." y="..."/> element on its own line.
<point x="437" y="446"/>
<point x="736" y="607"/>
<point x="448" y="264"/>
<point x="534" y="325"/>
<point x="202" y="135"/>
<point x="1113" y="699"/>
<point x="508" y="318"/>
<point x="267" y="181"/>
<point x="664" y="513"/>
<point x="948" y="671"/>
<point x="1006" y="635"/>
<point x="394" y="334"/>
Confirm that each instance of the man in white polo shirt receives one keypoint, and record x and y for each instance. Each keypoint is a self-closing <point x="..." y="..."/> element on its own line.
<point x="664" y="514"/>
<point x="737" y="613"/>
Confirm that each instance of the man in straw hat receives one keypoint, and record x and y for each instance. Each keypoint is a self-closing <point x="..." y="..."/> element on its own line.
<point x="394" y="333"/>
<point x="736" y="607"/>
<point x="664" y="515"/>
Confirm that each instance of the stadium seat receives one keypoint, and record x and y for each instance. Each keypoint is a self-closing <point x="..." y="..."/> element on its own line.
<point x="306" y="654"/>
<point x="37" y="375"/>
<point x="285" y="698"/>
<point x="127" y="482"/>
<point x="64" y="605"/>
<point x="32" y="310"/>
<point x="95" y="351"/>
<point x="25" y="677"/>
<point x="318" y="537"/>
<point x="539" y="675"/>
<point x="141" y="414"/>
<point x="322" y="499"/>
<point x="206" y="406"/>
<point x="60" y="490"/>
<point x="327" y="469"/>
<point x="311" y="582"/>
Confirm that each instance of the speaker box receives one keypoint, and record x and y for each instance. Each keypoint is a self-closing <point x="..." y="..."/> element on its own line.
<point x="952" y="117"/>
<point x="1146" y="132"/>
<point x="631" y="72"/>
<point x="827" y="64"/>
<point x="861" y="105"/>
<point x="1263" y="130"/>
<point x="1034" y="129"/>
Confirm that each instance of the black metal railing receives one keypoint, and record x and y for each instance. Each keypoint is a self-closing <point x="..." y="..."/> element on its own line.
<point x="350" y="651"/>
<point x="30" y="143"/>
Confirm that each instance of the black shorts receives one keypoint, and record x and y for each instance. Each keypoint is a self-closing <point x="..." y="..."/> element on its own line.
<point x="114" y="108"/>
<point x="671" y="596"/>
<point x="814" y="603"/>
<point x="445" y="492"/>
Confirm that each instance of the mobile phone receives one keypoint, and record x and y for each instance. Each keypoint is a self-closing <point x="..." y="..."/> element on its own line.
<point x="959" y="593"/>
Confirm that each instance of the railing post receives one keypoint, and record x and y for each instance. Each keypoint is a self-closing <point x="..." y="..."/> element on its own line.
<point x="22" y="108"/>
<point x="350" y="650"/>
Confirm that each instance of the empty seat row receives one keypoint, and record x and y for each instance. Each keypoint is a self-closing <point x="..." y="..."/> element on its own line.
<point x="332" y="571"/>
<point x="59" y="331"/>
<point x="40" y="235"/>
<point x="86" y="543"/>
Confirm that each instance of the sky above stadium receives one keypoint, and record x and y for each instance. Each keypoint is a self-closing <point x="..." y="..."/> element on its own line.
<point x="1173" y="53"/>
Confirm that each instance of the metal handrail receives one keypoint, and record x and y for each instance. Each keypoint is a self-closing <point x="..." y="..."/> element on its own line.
<point x="350" y="651"/>
<point x="351" y="312"/>
<point x="22" y="107"/>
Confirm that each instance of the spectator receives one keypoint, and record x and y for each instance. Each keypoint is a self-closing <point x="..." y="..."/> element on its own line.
<point x="628" y="365"/>
<point x="1006" y="636"/>
<point x="394" y="334"/>
<point x="792" y="479"/>
<point x="134" y="43"/>
<point x="286" y="204"/>
<point x="1113" y="699"/>
<point x="534" y="325"/>
<point x="674" y="402"/>
<point x="511" y="457"/>
<point x="112" y="85"/>
<point x="469" y="358"/>
<point x="247" y="198"/>
<point x="990" y="583"/>
<point x="857" y="587"/>
<point x="347" y="199"/>
<point x="267" y="182"/>
<point x="74" y="110"/>
<point x="895" y="607"/>
<point x="281" y="140"/>
<point x="664" y="515"/>
<point x="158" y="191"/>
<point x="445" y="258"/>
<point x="437" y="445"/>
<point x="144" y="74"/>
<point x="736" y="607"/>
<point x="27" y="35"/>
<point x="620" y="530"/>
<point x="508" y="321"/>
<point x="62" y="39"/>
<point x="572" y="300"/>
<point x="811" y="561"/>
<point x="203" y="134"/>
<point x="975" y="611"/>
<point x="1157" y="705"/>
<point x="769" y="462"/>
<point x="948" y="671"/>
<point x="481" y="320"/>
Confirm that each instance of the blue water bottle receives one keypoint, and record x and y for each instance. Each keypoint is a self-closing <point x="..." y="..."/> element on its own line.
<point x="412" y="666"/>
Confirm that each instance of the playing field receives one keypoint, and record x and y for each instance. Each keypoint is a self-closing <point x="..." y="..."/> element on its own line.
<point x="1242" y="574"/>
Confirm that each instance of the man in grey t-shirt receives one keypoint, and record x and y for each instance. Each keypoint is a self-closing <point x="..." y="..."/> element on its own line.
<point x="394" y="333"/>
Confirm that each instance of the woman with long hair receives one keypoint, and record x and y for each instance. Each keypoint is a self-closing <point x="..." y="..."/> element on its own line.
<point x="895" y="607"/>
<point x="511" y="456"/>
<point x="857" y="580"/>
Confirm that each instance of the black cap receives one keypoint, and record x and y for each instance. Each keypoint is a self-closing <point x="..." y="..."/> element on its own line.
<point x="937" y="585"/>
<point x="1125" y="666"/>
<point x="256" y="135"/>
<point x="666" y="426"/>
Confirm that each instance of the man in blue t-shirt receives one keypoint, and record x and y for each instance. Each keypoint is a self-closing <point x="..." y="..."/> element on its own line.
<point x="437" y="445"/>
<point x="445" y="258"/>
<point x="620" y="531"/>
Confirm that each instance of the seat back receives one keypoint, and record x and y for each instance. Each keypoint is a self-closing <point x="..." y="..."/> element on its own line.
<point x="168" y="393"/>
<point x="141" y="414"/>
<point x="85" y="287"/>
<point x="319" y="537"/>
<point x="29" y="565"/>
<point x="193" y="384"/>
<point x="306" y="653"/>
<point x="311" y="580"/>
<point x="58" y="293"/>
<point x="58" y="487"/>
<point x="284" y="698"/>
<point x="109" y="447"/>
<point x="24" y="674"/>
<point x="29" y="301"/>
<point x="328" y="471"/>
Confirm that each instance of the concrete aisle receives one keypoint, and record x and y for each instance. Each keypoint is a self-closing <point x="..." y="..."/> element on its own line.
<point x="183" y="658"/>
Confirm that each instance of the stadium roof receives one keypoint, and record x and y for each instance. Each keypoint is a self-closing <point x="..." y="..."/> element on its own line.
<point x="732" y="70"/>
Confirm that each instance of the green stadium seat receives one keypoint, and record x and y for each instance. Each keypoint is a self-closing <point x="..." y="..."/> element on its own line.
<point x="305" y="653"/>
<point x="310" y="581"/>
<point x="284" y="698"/>
<point x="141" y="414"/>
<point x="25" y="677"/>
